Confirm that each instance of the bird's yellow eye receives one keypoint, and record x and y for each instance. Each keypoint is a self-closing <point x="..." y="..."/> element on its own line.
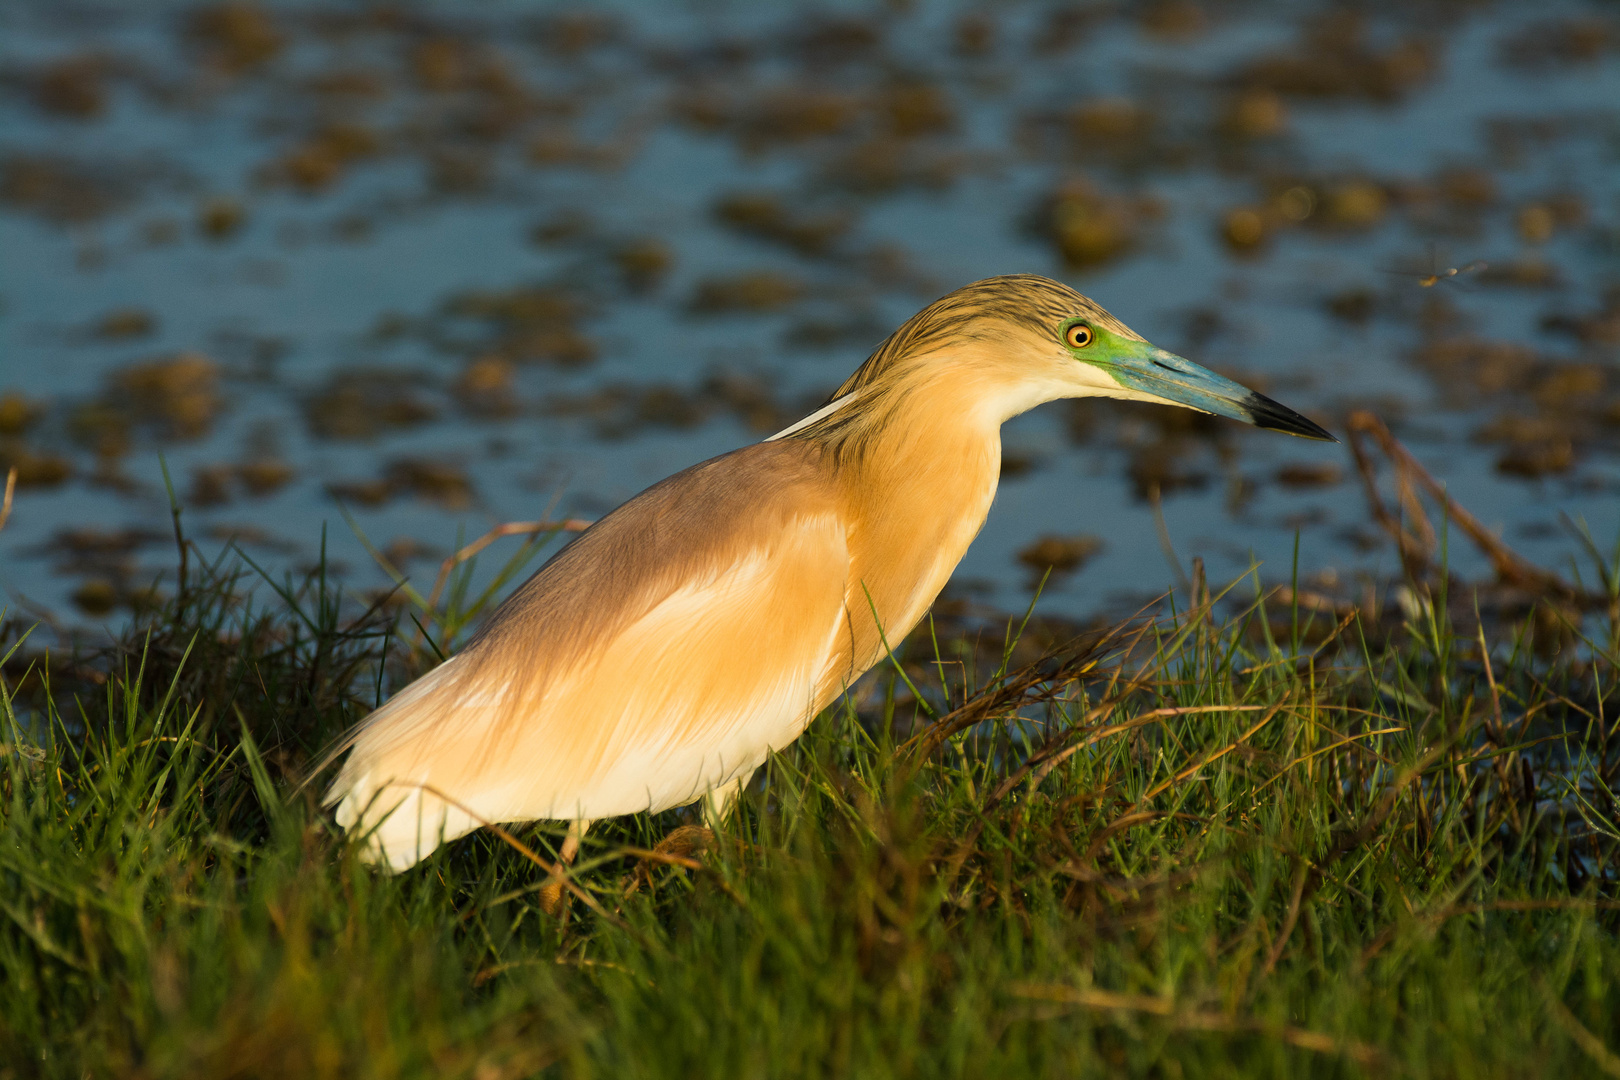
<point x="1077" y="336"/>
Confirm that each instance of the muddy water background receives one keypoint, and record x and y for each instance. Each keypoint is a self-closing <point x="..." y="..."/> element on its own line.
<point x="451" y="265"/>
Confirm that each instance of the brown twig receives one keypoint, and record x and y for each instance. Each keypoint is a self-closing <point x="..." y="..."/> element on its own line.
<point x="1428" y="920"/>
<point x="1122" y="887"/>
<point x="1416" y="551"/>
<point x="1214" y="755"/>
<point x="558" y="873"/>
<point x="1043" y="761"/>
<point x="1414" y="559"/>
<point x="1018" y="690"/>
<point x="1592" y="1046"/>
<point x="1199" y="1019"/>
<point x="511" y="528"/>
<point x="1290" y="920"/>
<point x="11" y="489"/>
<point x="686" y="862"/>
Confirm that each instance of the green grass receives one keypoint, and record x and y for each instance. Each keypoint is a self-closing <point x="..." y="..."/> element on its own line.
<point x="1196" y="847"/>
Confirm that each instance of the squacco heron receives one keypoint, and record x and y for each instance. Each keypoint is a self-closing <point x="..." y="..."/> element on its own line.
<point x="664" y="653"/>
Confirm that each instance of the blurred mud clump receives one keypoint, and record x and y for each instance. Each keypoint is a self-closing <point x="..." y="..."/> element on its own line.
<point x="1160" y="468"/>
<point x="1344" y="204"/>
<point x="1176" y="20"/>
<point x="894" y="136"/>
<point x="781" y="116"/>
<point x="1551" y="408"/>
<point x="620" y="410"/>
<point x="321" y="160"/>
<point x="1600" y="327"/>
<point x="363" y="404"/>
<point x="756" y="291"/>
<point x="1469" y="368"/>
<point x="1110" y="121"/>
<point x="1255" y="114"/>
<point x="220" y="218"/>
<point x="235" y="37"/>
<point x="1246" y="228"/>
<point x="1091" y="227"/>
<point x="1525" y="272"/>
<point x="1553" y="43"/>
<point x="973" y="37"/>
<point x="65" y="190"/>
<point x="17" y="413"/>
<point x="1310" y="474"/>
<point x="532" y="324"/>
<point x="179" y="395"/>
<point x="917" y="108"/>
<point x="440" y="482"/>
<point x="1534" y="445"/>
<point x="1053" y="556"/>
<point x="75" y="87"/>
<point x="215" y="485"/>
<point x="1124" y="133"/>
<point x="264" y="476"/>
<point x="644" y="263"/>
<point x="443" y="483"/>
<point x="1354" y="305"/>
<point x="767" y="216"/>
<point x="884" y="166"/>
<point x="35" y="469"/>
<point x="106" y="559"/>
<point x="486" y="387"/>
<point x="1334" y="59"/>
<point x="122" y="323"/>
<point x="1539" y="221"/>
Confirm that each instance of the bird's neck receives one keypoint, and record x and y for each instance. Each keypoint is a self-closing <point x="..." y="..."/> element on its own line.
<point x="917" y="493"/>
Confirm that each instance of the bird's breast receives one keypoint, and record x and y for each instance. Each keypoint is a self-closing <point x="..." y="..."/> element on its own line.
<point x="911" y="529"/>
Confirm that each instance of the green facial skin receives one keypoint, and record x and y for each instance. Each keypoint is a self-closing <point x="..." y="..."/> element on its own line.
<point x="1148" y="369"/>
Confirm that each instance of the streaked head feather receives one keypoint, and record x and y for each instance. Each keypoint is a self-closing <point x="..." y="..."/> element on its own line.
<point x="982" y="312"/>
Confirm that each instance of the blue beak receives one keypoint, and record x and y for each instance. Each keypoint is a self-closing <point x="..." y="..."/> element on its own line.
<point x="1151" y="370"/>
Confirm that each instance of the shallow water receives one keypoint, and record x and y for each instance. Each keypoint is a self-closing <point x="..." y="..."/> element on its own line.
<point x="449" y="267"/>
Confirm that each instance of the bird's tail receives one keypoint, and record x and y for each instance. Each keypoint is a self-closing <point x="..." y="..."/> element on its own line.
<point x="386" y="791"/>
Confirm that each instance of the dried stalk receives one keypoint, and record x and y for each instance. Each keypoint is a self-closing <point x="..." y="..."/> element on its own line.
<point x="1417" y="549"/>
<point x="511" y="528"/>
<point x="11" y="489"/>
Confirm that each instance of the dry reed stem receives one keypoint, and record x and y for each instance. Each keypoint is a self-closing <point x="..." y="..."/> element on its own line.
<point x="1432" y="919"/>
<point x="1290" y="920"/>
<point x="1045" y="767"/>
<point x="686" y="862"/>
<point x="1200" y="1020"/>
<point x="1347" y="740"/>
<point x="558" y="873"/>
<point x="1592" y="1046"/>
<point x="5" y="503"/>
<point x="1054" y="752"/>
<point x="1214" y="755"/>
<point x="1014" y="691"/>
<point x="511" y="528"/>
<point x="1416" y="551"/>
<point x="1120" y="888"/>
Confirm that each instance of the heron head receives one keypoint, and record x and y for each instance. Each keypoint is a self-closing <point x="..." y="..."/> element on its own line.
<point x="1006" y="344"/>
<point x="1099" y="357"/>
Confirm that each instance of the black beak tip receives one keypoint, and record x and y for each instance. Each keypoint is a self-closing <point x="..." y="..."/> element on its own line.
<point x="1272" y="416"/>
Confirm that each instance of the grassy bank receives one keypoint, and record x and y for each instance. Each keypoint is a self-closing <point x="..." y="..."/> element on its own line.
<point x="1236" y="841"/>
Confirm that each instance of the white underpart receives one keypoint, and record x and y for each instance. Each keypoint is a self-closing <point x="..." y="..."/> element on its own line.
<point x="683" y="770"/>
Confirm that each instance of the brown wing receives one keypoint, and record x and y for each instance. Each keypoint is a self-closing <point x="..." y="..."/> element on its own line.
<point x="664" y="652"/>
